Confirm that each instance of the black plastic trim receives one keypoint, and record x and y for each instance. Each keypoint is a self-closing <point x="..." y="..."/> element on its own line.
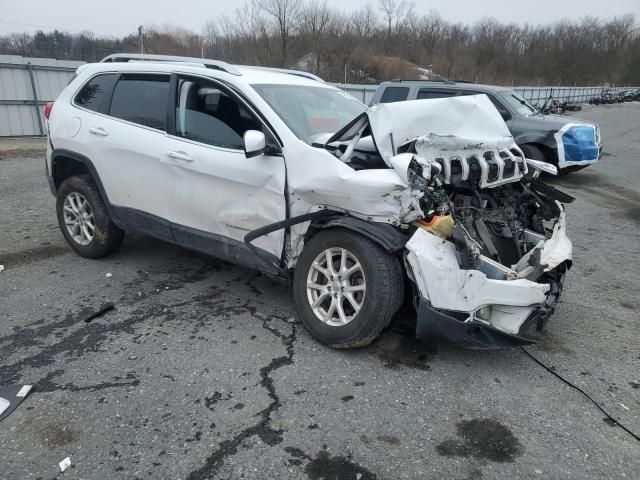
<point x="228" y="249"/>
<point x="61" y="152"/>
<point x="172" y="101"/>
<point x="384" y="234"/>
<point x="143" y="222"/>
<point x="433" y="323"/>
<point x="255" y="153"/>
<point x="262" y="231"/>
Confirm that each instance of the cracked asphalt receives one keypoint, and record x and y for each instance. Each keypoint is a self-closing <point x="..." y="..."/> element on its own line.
<point x="201" y="372"/>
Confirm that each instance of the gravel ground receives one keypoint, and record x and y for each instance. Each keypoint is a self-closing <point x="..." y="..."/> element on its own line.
<point x="201" y="371"/>
<point x="22" y="147"/>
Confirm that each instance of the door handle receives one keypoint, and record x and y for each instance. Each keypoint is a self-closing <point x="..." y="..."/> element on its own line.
<point x="98" y="131"/>
<point x="179" y="156"/>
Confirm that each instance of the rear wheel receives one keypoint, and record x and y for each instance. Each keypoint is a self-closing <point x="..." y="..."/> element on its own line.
<point x="346" y="288"/>
<point x="84" y="219"/>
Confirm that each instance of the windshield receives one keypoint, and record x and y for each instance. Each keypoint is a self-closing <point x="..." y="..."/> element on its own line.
<point x="519" y="104"/>
<point x="310" y="111"/>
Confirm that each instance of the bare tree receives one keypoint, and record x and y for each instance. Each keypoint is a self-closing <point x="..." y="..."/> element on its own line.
<point x="429" y="30"/>
<point x="315" y="20"/>
<point x="372" y="44"/>
<point x="227" y="29"/>
<point x="254" y="29"/>
<point x="395" y="13"/>
<point x="283" y="13"/>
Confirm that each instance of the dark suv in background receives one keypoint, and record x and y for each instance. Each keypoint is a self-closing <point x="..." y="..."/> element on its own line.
<point x="566" y="142"/>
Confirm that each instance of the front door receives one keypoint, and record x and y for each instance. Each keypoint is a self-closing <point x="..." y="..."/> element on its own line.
<point x="222" y="194"/>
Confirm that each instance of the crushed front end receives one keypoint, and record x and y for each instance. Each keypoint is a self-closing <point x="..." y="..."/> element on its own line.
<point x="487" y="251"/>
<point x="489" y="259"/>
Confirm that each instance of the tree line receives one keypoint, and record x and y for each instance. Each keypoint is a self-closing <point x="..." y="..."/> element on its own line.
<point x="377" y="42"/>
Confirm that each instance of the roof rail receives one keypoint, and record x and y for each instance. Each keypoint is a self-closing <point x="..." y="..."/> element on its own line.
<point x="439" y="80"/>
<point x="138" y="57"/>
<point x="298" y="73"/>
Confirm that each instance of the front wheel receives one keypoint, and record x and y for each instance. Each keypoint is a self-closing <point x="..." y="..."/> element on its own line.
<point x="533" y="152"/>
<point x="346" y="288"/>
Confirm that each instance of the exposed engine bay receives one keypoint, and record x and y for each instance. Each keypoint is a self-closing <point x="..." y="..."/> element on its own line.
<point x="507" y="223"/>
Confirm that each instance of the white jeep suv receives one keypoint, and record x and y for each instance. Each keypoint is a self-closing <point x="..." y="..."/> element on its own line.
<point x="277" y="170"/>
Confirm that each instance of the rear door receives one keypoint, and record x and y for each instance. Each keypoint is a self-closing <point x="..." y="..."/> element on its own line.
<point x="222" y="194"/>
<point x="128" y="150"/>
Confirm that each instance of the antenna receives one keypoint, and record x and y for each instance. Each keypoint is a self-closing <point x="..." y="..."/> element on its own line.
<point x="141" y="39"/>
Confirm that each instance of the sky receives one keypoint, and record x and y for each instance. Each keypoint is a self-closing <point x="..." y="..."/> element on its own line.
<point x="121" y="17"/>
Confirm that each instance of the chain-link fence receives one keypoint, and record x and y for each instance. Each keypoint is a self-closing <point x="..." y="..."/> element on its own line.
<point x="539" y="95"/>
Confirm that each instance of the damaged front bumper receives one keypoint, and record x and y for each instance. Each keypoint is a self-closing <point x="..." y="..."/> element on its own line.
<point x="489" y="307"/>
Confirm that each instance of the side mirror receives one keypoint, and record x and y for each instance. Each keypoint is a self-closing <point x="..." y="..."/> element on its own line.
<point x="255" y="143"/>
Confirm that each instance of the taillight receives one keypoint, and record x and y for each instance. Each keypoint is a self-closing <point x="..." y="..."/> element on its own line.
<point x="47" y="110"/>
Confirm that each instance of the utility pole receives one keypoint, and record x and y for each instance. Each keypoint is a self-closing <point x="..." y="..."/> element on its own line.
<point x="141" y="39"/>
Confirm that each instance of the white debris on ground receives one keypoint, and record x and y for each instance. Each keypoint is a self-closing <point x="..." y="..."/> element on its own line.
<point x="108" y="275"/>
<point x="64" y="464"/>
<point x="1" y="268"/>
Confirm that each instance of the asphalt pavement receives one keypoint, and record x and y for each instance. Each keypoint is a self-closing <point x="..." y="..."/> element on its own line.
<point x="201" y="371"/>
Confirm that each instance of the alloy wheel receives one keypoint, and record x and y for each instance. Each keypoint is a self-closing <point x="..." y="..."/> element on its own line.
<point x="336" y="286"/>
<point x="78" y="218"/>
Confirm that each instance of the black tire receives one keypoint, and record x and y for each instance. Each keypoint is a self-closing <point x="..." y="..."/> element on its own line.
<point x="383" y="297"/>
<point x="533" y="152"/>
<point x="107" y="237"/>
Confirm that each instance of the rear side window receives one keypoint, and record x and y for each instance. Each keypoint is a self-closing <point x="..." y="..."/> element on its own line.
<point x="96" y="92"/>
<point x="394" y="94"/>
<point x="142" y="99"/>
<point x="425" y="93"/>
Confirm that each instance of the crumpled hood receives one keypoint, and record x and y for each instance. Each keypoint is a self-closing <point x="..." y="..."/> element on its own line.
<point x="463" y="122"/>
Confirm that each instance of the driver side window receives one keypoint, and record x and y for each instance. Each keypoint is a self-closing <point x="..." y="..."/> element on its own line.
<point x="208" y="114"/>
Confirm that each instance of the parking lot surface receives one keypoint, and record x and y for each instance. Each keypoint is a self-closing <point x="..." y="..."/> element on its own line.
<point x="201" y="371"/>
